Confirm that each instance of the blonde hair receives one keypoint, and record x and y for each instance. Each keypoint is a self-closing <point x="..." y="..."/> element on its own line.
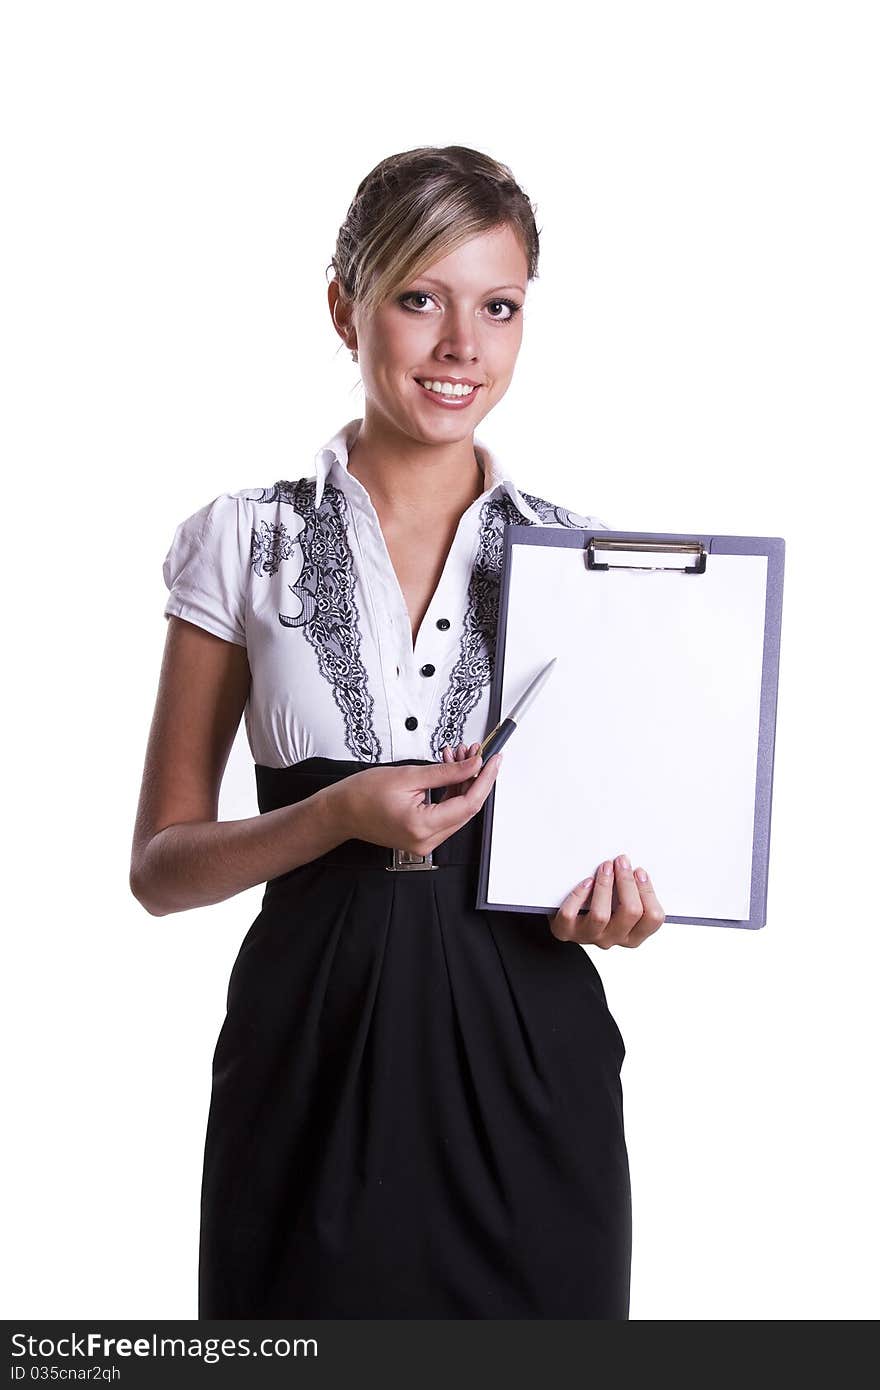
<point x="416" y="207"/>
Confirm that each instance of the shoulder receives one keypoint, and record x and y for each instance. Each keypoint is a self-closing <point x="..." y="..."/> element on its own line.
<point x="554" y="514"/>
<point x="284" y="490"/>
<point x="230" y="518"/>
<point x="240" y="507"/>
<point x="225" y="521"/>
<point x="256" y="501"/>
<point x="222" y="508"/>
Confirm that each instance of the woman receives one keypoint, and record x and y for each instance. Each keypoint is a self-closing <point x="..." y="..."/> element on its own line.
<point x="416" y="1107"/>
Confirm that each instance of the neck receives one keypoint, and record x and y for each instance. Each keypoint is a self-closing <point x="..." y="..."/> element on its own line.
<point x="408" y="479"/>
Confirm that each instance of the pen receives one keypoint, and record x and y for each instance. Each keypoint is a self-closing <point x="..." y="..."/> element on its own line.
<point x="495" y="741"/>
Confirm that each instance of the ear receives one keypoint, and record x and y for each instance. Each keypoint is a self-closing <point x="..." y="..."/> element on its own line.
<point x="341" y="313"/>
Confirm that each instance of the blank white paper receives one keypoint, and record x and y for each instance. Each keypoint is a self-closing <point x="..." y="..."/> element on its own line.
<point x="643" y="741"/>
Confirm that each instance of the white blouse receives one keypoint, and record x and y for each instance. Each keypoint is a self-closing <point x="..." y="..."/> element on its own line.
<point x="299" y="574"/>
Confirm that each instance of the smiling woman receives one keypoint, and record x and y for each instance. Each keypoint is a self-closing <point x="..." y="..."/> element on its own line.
<point x="416" y="1108"/>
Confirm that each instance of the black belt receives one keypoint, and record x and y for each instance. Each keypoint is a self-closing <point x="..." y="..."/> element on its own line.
<point x="362" y="854"/>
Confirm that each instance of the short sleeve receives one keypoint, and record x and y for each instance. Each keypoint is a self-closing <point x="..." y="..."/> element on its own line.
<point x="206" y="568"/>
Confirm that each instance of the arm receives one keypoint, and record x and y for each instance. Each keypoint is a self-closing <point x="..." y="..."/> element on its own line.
<point x="182" y="857"/>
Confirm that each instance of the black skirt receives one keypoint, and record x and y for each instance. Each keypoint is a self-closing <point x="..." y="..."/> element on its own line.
<point x="416" y="1107"/>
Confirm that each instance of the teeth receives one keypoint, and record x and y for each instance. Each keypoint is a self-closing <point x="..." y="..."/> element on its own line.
<point x="445" y="388"/>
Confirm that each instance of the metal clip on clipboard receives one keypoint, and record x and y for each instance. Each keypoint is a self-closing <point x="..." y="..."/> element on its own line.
<point x="596" y="545"/>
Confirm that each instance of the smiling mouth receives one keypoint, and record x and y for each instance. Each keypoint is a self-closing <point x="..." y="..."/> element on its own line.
<point x="448" y="397"/>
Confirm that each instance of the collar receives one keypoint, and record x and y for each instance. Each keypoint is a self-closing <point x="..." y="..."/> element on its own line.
<point x="335" y="454"/>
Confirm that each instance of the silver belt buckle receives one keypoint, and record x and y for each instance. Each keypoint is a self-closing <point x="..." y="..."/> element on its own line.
<point x="405" y="859"/>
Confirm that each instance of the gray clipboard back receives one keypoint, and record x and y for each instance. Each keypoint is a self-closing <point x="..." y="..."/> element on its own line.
<point x="773" y="547"/>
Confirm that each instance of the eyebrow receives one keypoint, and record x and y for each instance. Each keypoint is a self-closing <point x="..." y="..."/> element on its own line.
<point x="428" y="280"/>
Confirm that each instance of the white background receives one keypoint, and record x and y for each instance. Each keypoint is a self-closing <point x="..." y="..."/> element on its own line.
<point x="700" y="353"/>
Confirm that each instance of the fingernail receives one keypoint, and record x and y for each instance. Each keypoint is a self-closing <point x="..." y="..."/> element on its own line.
<point x="641" y="876"/>
<point x="623" y="862"/>
<point x="585" y="883"/>
<point x="607" y="867"/>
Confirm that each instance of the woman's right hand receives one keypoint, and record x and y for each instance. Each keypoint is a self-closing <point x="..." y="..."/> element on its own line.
<point x="459" y="754"/>
<point x="387" y="805"/>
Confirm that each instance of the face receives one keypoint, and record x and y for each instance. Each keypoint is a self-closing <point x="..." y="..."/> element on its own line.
<point x="461" y="319"/>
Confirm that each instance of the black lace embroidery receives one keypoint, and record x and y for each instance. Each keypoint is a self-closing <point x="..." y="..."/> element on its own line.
<point x="552" y="515"/>
<point x="474" y="668"/>
<point x="329" y="615"/>
<point x="272" y="544"/>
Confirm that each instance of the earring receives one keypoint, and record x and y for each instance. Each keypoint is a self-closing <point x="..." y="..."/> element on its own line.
<point x="354" y="356"/>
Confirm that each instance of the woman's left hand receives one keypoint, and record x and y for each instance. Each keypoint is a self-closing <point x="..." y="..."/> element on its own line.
<point x="636" y="915"/>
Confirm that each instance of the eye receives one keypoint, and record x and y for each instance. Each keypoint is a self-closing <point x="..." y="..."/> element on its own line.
<point x="509" y="304"/>
<point x="413" y="294"/>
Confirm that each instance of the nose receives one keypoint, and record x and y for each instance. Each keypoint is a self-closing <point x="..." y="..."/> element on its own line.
<point x="460" y="338"/>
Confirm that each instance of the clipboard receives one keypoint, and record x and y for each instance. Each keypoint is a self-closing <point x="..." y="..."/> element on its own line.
<point x="655" y="735"/>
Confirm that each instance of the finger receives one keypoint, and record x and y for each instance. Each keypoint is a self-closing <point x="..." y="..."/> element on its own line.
<point x="653" y="915"/>
<point x="449" y="815"/>
<point x="468" y="751"/>
<point x="458" y="755"/>
<point x="441" y="774"/>
<point x="481" y="784"/>
<point x="565" y="924"/>
<point x="628" y="912"/>
<point x="599" y="914"/>
<point x="447" y="757"/>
